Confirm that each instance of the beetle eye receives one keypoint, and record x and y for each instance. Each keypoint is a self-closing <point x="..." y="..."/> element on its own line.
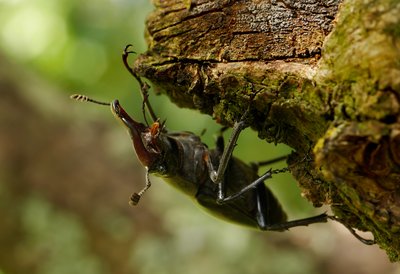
<point x="162" y="169"/>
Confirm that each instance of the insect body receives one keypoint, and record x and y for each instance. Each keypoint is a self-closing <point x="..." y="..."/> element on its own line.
<point x="233" y="191"/>
<point x="183" y="161"/>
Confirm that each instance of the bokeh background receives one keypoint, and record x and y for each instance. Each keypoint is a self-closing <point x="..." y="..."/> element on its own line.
<point x="67" y="169"/>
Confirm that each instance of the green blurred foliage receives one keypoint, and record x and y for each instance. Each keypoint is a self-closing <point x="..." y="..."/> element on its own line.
<point x="64" y="208"/>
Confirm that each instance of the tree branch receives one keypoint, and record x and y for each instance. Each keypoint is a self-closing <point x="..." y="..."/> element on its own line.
<point x="329" y="91"/>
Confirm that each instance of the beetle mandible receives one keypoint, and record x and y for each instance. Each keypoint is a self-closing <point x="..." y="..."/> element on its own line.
<point x="233" y="191"/>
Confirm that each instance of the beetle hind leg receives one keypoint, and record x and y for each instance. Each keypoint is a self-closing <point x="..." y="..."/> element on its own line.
<point x="352" y="231"/>
<point x="321" y="218"/>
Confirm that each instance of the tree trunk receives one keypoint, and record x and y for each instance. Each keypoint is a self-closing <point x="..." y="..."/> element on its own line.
<point x="326" y="81"/>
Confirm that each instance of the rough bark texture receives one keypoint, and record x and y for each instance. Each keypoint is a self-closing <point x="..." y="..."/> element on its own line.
<point x="326" y="80"/>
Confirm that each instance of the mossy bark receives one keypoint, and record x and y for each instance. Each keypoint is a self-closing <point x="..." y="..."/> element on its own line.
<point x="322" y="77"/>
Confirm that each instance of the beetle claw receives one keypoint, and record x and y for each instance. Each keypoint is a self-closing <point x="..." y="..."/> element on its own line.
<point x="352" y="231"/>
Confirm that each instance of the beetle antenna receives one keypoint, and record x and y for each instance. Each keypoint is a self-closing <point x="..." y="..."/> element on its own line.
<point x="135" y="197"/>
<point x="84" y="98"/>
<point x="143" y="85"/>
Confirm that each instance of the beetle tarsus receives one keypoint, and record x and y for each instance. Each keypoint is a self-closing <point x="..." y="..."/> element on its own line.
<point x="270" y="162"/>
<point x="281" y="170"/>
<point x="352" y="231"/>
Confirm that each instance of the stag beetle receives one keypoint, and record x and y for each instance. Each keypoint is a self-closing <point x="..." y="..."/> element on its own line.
<point x="233" y="191"/>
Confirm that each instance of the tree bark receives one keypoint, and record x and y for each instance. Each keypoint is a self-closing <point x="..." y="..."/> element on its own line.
<point x="320" y="76"/>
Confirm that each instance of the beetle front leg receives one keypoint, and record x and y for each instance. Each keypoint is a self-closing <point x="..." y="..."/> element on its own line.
<point x="143" y="85"/>
<point x="218" y="176"/>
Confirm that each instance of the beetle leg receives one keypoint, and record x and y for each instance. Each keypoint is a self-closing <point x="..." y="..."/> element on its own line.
<point x="218" y="176"/>
<point x="352" y="231"/>
<point x="265" y="176"/>
<point x="219" y="150"/>
<point x="220" y="142"/>
<point x="322" y="218"/>
<point x="143" y="85"/>
<point x="253" y="185"/>
<point x="270" y="162"/>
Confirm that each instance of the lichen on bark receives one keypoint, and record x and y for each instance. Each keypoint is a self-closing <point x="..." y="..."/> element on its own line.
<point x="360" y="150"/>
<point x="325" y="77"/>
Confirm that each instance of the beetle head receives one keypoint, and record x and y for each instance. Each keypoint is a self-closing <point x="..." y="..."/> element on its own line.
<point x="146" y="139"/>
